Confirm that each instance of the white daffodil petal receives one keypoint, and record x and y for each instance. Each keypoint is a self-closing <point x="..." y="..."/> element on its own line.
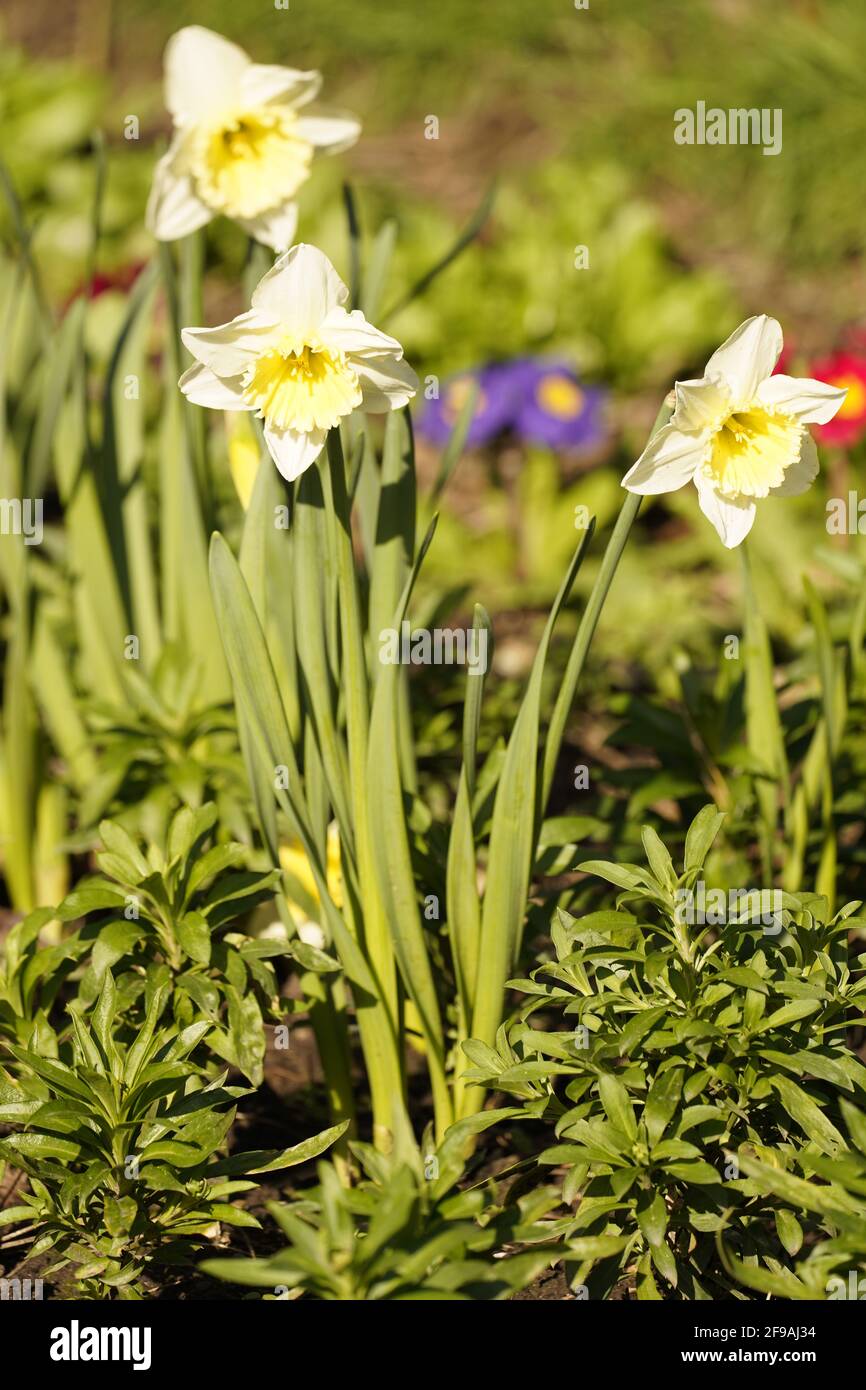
<point x="732" y="517"/>
<point x="700" y="404"/>
<point x="300" y="291"/>
<point x="810" y="402"/>
<point x="331" y="133"/>
<point x="203" y="387"/>
<point x="229" y="348"/>
<point x="299" y="377"/>
<point x="387" y="383"/>
<point x="275" y="229"/>
<point x="667" y="462"/>
<point x="747" y="357"/>
<point x="799" y="476"/>
<point x="173" y="208"/>
<point x="203" y="74"/>
<point x="292" y="451"/>
<point x="312" y="935"/>
<point x="262" y="83"/>
<point x="350" y="332"/>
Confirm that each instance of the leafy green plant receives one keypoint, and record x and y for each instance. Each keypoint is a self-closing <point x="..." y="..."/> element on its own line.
<point x="400" y="1236"/>
<point x="32" y="974"/>
<point x="178" y="914"/>
<point x="341" y="741"/>
<point x="823" y="1196"/>
<point x="698" y="1024"/>
<point x="120" y="1140"/>
<point x="182" y="910"/>
<point x="161" y="746"/>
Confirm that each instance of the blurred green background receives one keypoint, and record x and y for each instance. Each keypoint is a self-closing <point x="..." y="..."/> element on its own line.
<point x="571" y="111"/>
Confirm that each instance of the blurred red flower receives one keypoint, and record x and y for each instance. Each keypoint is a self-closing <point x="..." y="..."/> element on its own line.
<point x="848" y="371"/>
<point x="122" y="279"/>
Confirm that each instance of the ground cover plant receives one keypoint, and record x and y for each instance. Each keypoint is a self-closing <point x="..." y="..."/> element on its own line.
<point x="431" y="737"/>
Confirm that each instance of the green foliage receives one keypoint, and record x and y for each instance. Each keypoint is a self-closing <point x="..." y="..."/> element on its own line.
<point x="173" y="916"/>
<point x="708" y="1112"/>
<point x="826" y="1193"/>
<point x="159" y="747"/>
<point x="701" y="1031"/>
<point x="120" y="1136"/>
<point x="179" y="914"/>
<point x="400" y="1236"/>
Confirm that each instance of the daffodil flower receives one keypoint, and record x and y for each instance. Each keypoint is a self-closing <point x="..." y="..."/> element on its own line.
<point x="298" y="359"/>
<point x="739" y="432"/>
<point x="296" y="864"/>
<point x="242" y="143"/>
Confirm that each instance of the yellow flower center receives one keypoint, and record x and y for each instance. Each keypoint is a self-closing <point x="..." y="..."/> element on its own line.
<point x="560" y="397"/>
<point x="251" y="162"/>
<point x="854" y="404"/>
<point x="751" y="451"/>
<point x="306" y="389"/>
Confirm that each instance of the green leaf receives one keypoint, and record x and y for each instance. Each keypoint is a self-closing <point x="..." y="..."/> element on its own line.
<point x="258" y="700"/>
<point x="805" y="1063"/>
<point x="513" y="834"/>
<point x="662" y="1100"/>
<point x="789" y="1013"/>
<point x="663" y="1259"/>
<point x="797" y="1192"/>
<point x="621" y="875"/>
<point x="247" y="1033"/>
<point x="42" y="1146"/>
<point x="468" y="235"/>
<point x="856" y="1122"/>
<point x="652" y="1217"/>
<point x="595" y="1247"/>
<point x="10" y="1216"/>
<point x="658" y="858"/>
<point x="694" y="1172"/>
<point x="120" y="843"/>
<point x="789" y="1230"/>
<point x="90" y="897"/>
<point x="193" y="933"/>
<point x="617" y="1105"/>
<point x="393" y="860"/>
<point x="781" y="1283"/>
<point x="252" y="1164"/>
<point x="700" y="836"/>
<point x="808" y="1116"/>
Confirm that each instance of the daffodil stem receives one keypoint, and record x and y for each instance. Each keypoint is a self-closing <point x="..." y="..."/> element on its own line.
<point x="588" y="624"/>
<point x="764" y="736"/>
<point x="377" y="1018"/>
<point x="470" y="1101"/>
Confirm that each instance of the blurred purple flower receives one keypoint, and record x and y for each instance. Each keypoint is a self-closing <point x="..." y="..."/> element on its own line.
<point x="543" y="402"/>
<point x="495" y="408"/>
<point x="558" y="410"/>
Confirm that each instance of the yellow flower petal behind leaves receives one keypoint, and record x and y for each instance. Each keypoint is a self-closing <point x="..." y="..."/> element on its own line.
<point x="243" y="455"/>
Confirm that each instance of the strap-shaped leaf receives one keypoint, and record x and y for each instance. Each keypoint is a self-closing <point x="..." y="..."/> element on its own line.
<point x="513" y="836"/>
<point x="258" y="700"/>
<point x="386" y="806"/>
